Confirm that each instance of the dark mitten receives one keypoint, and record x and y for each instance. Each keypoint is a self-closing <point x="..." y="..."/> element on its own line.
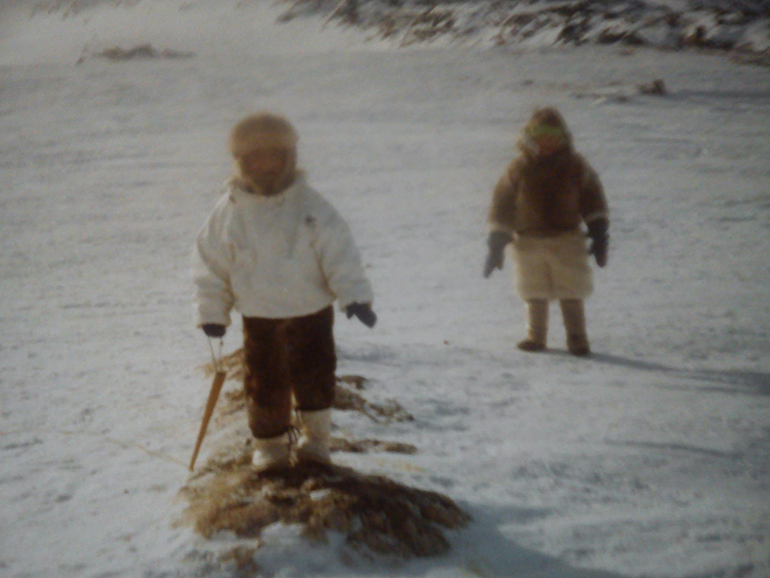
<point x="600" y="240"/>
<point x="496" y="242"/>
<point x="214" y="329"/>
<point x="364" y="313"/>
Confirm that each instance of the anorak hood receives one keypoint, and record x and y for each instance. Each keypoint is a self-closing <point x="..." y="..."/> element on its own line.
<point x="264" y="130"/>
<point x="550" y="121"/>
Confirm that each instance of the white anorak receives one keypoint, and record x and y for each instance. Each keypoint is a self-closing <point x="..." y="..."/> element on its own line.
<point x="281" y="256"/>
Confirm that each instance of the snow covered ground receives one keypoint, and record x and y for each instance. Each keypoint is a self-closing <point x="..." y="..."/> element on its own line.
<point x="651" y="458"/>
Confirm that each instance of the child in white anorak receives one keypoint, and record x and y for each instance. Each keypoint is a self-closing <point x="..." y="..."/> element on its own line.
<point x="278" y="252"/>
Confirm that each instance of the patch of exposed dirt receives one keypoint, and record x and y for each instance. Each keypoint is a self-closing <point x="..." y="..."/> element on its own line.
<point x="140" y="52"/>
<point x="375" y="514"/>
<point x="339" y="444"/>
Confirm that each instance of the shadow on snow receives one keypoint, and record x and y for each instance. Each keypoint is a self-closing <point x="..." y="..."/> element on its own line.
<point x="731" y="381"/>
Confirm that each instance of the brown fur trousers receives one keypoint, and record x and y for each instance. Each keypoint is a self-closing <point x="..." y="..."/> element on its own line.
<point x="284" y="358"/>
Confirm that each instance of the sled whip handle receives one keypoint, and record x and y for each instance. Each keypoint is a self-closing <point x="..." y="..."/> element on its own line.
<point x="216" y="387"/>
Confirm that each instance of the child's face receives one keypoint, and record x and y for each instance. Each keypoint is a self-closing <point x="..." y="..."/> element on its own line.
<point x="265" y="166"/>
<point x="548" y="139"/>
<point x="548" y="144"/>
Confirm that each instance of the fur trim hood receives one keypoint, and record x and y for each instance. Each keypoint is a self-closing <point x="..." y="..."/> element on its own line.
<point x="262" y="130"/>
<point x="547" y="119"/>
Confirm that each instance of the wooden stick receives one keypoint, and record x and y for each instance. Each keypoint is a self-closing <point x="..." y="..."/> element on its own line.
<point x="216" y="387"/>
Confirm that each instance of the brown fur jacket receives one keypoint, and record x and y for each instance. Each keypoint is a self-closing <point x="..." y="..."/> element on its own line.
<point x="546" y="196"/>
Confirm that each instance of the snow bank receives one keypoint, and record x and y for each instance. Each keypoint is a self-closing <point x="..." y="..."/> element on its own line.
<point x="82" y="28"/>
<point x="742" y="26"/>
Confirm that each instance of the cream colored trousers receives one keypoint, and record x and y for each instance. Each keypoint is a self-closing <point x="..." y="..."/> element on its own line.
<point x="552" y="267"/>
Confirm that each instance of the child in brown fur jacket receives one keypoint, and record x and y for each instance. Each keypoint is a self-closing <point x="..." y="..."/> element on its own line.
<point x="539" y="206"/>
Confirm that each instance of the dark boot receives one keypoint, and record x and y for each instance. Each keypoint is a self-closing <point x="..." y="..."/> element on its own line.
<point x="537" y="326"/>
<point x="575" y="324"/>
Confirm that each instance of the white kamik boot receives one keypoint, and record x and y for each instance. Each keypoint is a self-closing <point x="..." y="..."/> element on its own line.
<point x="315" y="428"/>
<point x="271" y="453"/>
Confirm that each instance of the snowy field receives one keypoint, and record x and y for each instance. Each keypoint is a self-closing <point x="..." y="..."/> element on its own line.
<point x="650" y="458"/>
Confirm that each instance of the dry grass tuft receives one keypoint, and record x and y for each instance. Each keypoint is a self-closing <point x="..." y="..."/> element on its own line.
<point x="655" y="87"/>
<point x="374" y="513"/>
<point x="369" y="445"/>
<point x="242" y="557"/>
<point x="143" y="51"/>
<point x="356" y="381"/>
<point x="233" y="364"/>
<point x="347" y="397"/>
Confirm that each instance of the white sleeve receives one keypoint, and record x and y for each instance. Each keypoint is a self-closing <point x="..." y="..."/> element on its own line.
<point x="340" y="259"/>
<point x="211" y="264"/>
